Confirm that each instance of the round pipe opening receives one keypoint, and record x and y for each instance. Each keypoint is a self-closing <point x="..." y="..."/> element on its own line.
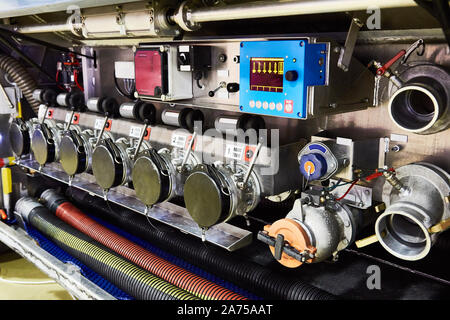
<point x="414" y="108"/>
<point x="403" y="235"/>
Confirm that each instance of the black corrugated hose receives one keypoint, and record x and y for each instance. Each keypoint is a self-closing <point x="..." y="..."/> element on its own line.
<point x="251" y="276"/>
<point x="19" y="75"/>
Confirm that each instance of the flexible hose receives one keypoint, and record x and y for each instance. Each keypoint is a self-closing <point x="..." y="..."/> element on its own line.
<point x="19" y="75"/>
<point x="173" y="274"/>
<point x="265" y="282"/>
<point x="125" y="275"/>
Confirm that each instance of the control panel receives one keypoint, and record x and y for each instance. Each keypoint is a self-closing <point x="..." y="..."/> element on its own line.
<point x="275" y="76"/>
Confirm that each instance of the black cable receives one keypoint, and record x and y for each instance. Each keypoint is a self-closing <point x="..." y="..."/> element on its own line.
<point x="231" y="267"/>
<point x="423" y="274"/>
<point x="119" y="90"/>
<point x="44" y="43"/>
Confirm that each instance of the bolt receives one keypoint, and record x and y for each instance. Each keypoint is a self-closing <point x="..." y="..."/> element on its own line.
<point x="396" y="148"/>
<point x="222" y="57"/>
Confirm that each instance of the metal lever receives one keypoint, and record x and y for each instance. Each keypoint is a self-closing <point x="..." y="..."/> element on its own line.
<point x="242" y="184"/>
<point x="346" y="53"/>
<point x="45" y="114"/>
<point x="222" y="84"/>
<point x="70" y="120"/>
<point x="188" y="152"/>
<point x="141" y="138"/>
<point x="101" y="131"/>
<point x="8" y="101"/>
<point x="279" y="244"/>
<point x="416" y="45"/>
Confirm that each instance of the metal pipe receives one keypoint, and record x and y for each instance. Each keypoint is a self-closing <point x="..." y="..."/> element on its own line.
<point x="44" y="28"/>
<point x="271" y="9"/>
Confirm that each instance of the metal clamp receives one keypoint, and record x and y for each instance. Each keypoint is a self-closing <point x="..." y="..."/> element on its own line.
<point x="346" y="53"/>
<point x="281" y="246"/>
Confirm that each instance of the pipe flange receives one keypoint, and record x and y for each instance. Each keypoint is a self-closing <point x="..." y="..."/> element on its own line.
<point x="403" y="229"/>
<point x="422" y="104"/>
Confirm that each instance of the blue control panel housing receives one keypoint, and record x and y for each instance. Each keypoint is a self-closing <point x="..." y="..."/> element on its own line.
<point x="267" y="90"/>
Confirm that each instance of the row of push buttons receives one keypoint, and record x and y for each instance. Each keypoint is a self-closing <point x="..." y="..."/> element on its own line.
<point x="266" y="105"/>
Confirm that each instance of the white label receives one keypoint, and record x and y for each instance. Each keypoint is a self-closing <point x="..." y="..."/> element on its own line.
<point x="222" y="73"/>
<point x="233" y="151"/>
<point x="178" y="141"/>
<point x="344" y="141"/>
<point x="183" y="48"/>
<point x="399" y="138"/>
<point x="99" y="124"/>
<point x="124" y="69"/>
<point x="135" y="132"/>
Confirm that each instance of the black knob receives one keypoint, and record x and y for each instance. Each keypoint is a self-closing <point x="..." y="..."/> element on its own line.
<point x="233" y="87"/>
<point x="291" y="75"/>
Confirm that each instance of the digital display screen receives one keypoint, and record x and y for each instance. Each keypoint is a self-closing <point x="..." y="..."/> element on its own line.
<point x="266" y="74"/>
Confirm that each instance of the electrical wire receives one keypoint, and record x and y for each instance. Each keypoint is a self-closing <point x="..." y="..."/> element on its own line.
<point x="75" y="77"/>
<point x="423" y="274"/>
<point x="348" y="190"/>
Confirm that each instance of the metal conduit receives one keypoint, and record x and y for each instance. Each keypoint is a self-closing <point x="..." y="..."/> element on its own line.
<point x="187" y="17"/>
<point x="288" y="8"/>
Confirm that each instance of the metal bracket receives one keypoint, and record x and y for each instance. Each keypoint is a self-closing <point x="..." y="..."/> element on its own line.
<point x="346" y="53"/>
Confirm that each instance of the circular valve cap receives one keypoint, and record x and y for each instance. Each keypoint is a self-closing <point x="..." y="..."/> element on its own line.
<point x="19" y="139"/>
<point x="43" y="146"/>
<point x="204" y="199"/>
<point x="107" y="166"/>
<point x="294" y="235"/>
<point x="72" y="154"/>
<point x="150" y="184"/>
<point x="313" y="166"/>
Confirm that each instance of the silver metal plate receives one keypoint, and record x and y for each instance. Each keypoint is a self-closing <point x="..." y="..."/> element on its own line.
<point x="223" y="235"/>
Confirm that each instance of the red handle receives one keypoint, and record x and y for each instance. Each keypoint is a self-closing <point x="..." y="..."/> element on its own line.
<point x="388" y="64"/>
